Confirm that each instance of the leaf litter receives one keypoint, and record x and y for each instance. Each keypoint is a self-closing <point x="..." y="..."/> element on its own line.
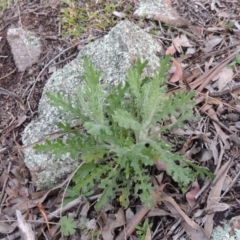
<point x="214" y="137"/>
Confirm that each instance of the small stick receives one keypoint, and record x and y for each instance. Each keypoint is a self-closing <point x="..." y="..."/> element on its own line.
<point x="126" y="232"/>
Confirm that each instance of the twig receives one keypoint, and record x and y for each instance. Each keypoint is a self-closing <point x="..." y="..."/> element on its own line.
<point x="54" y="214"/>
<point x="5" y="184"/>
<point x="230" y="186"/>
<point x="41" y="209"/>
<point x="49" y="217"/>
<point x="207" y="77"/>
<point x="8" y="74"/>
<point x="125" y="233"/>
<point x="25" y="228"/>
<point x="225" y="91"/>
<point x="222" y="125"/>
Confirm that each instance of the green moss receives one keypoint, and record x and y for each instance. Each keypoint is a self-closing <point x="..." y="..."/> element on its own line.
<point x="4" y="5"/>
<point x="78" y="18"/>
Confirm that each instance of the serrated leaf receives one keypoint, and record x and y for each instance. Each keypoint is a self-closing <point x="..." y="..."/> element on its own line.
<point x="108" y="193"/>
<point x="97" y="129"/>
<point x="93" y="156"/>
<point x="83" y="170"/>
<point x="65" y="127"/>
<point x="68" y="225"/>
<point x="151" y="104"/>
<point x="126" y="120"/>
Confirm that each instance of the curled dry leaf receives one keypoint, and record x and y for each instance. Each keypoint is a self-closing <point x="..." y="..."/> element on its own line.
<point x="178" y="72"/>
<point x="171" y="50"/>
<point x="190" y="196"/>
<point x="181" y="41"/>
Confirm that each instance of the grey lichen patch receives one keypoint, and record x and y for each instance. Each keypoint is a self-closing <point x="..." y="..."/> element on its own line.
<point x="229" y="231"/>
<point x="147" y="8"/>
<point x="159" y="10"/>
<point x="25" y="46"/>
<point x="120" y="49"/>
<point x="113" y="55"/>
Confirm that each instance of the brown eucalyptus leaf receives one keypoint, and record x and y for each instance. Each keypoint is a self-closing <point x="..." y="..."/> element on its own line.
<point x="217" y="207"/>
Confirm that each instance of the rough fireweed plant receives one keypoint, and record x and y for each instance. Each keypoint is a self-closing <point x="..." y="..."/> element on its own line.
<point x="115" y="141"/>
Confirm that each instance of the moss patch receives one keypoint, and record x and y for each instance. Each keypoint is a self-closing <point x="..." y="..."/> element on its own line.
<point x="80" y="17"/>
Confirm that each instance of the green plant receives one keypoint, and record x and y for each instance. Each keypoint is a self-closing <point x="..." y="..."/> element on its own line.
<point x="235" y="62"/>
<point x="68" y="226"/>
<point x="4" y="5"/>
<point x="115" y="141"/>
<point x="91" y="233"/>
<point x="229" y="25"/>
<point x="142" y="230"/>
<point x="78" y="18"/>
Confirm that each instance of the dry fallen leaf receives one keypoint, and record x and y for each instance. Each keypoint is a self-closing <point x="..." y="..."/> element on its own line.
<point x="178" y="72"/>
<point x="173" y="206"/>
<point x="6" y="228"/>
<point x="194" y="233"/>
<point x="171" y="50"/>
<point x="158" y="212"/>
<point x="129" y="215"/>
<point x="110" y="226"/>
<point x="21" y="119"/>
<point x="206" y="154"/>
<point x="217" y="207"/>
<point x="24" y="227"/>
<point x="190" y="196"/>
<point x="180" y="42"/>
<point x="211" y="43"/>
<point x="148" y="234"/>
<point x="119" y="14"/>
<point x="214" y="195"/>
<point x="224" y="77"/>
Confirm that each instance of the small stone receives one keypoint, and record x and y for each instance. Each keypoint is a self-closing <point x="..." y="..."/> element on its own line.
<point x="160" y="10"/>
<point x="25" y="47"/>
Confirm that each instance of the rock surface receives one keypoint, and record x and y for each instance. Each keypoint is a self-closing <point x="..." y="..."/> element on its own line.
<point x="25" y="47"/>
<point x="113" y="55"/>
<point x="160" y="10"/>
